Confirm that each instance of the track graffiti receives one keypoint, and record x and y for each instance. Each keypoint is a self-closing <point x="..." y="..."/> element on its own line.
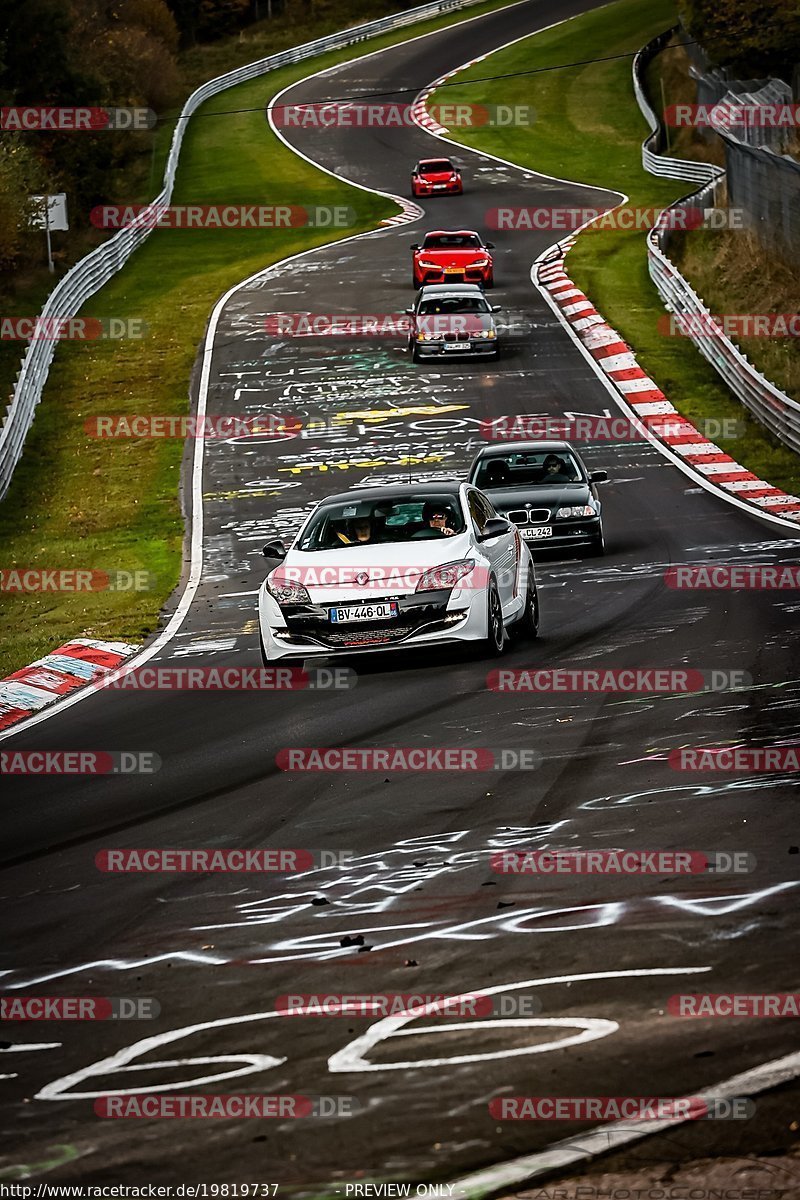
<point x="351" y="1058"/>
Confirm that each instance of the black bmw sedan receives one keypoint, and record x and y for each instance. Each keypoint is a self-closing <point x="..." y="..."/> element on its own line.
<point x="546" y="490"/>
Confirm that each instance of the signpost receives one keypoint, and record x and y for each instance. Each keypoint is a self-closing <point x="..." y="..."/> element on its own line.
<point x="50" y="212"/>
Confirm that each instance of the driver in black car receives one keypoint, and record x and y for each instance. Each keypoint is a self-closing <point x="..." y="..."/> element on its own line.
<point x="435" y="517"/>
<point x="556" y="470"/>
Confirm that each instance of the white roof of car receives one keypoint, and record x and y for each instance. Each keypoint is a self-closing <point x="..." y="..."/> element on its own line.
<point x="452" y="289"/>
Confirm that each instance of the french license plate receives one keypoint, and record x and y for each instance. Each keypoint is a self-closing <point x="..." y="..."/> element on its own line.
<point x="364" y="612"/>
<point x="535" y="532"/>
<point x="440" y="185"/>
<point x="457" y="345"/>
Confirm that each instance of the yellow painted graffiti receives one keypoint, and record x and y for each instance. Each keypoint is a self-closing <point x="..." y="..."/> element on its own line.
<point x="244" y="493"/>
<point x="376" y="415"/>
<point x="405" y="460"/>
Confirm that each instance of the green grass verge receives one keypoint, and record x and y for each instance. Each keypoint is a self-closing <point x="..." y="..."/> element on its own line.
<point x="733" y="273"/>
<point x="588" y="128"/>
<point x="76" y="502"/>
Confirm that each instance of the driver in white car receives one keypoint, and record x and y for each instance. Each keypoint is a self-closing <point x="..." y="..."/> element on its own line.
<point x="436" y="518"/>
<point x="361" y="530"/>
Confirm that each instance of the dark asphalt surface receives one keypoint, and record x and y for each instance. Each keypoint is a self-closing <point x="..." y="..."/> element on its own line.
<point x="419" y="886"/>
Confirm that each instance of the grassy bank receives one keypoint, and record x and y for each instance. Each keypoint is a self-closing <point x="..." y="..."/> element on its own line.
<point x="76" y="502"/>
<point x="588" y="128"/>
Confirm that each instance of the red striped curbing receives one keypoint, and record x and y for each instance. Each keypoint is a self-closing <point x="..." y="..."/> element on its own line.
<point x="419" y="109"/>
<point x="73" y="665"/>
<point x="409" y="212"/>
<point x="618" y="362"/>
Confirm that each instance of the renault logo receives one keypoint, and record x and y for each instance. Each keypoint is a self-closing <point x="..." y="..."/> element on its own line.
<point x="362" y="577"/>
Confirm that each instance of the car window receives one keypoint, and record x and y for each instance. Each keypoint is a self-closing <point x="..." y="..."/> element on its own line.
<point x="372" y="522"/>
<point x="451" y="241"/>
<point x="435" y="167"/>
<point x="453" y="304"/>
<point x="480" y="510"/>
<point x="487" y="507"/>
<point x="528" y="469"/>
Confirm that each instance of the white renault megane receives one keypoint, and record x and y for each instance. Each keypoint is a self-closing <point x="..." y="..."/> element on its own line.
<point x="398" y="565"/>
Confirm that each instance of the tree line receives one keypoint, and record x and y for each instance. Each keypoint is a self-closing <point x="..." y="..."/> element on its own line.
<point x="753" y="40"/>
<point x="117" y="53"/>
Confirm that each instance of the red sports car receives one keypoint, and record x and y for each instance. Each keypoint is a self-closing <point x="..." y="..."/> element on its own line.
<point x="459" y="256"/>
<point x="436" y="175"/>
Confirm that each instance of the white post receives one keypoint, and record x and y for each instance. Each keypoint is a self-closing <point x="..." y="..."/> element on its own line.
<point x="50" y="264"/>
<point x="663" y="113"/>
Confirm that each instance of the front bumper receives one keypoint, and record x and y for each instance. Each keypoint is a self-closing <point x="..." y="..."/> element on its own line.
<point x="437" y="189"/>
<point x="584" y="531"/>
<point x="478" y="275"/>
<point x="475" y="348"/>
<point x="305" y="631"/>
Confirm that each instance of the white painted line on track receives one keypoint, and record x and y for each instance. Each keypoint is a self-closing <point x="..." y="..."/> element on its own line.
<point x="349" y="1059"/>
<point x="352" y="1056"/>
<point x="19" y="1047"/>
<point x="612" y="1136"/>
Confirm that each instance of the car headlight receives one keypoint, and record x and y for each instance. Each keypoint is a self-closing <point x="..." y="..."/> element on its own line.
<point x="576" y="510"/>
<point x="426" y="263"/>
<point x="481" y="262"/>
<point x="287" y="591"/>
<point x="454" y="177"/>
<point x="446" y="576"/>
<point x="488" y="333"/>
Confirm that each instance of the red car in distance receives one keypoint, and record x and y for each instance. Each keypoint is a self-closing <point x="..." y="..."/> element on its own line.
<point x="436" y="176"/>
<point x="453" y="256"/>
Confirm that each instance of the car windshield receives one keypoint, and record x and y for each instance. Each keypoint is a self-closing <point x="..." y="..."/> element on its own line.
<point x="403" y="518"/>
<point x="451" y="241"/>
<point x="435" y="168"/>
<point x="528" y="469"/>
<point x="452" y="304"/>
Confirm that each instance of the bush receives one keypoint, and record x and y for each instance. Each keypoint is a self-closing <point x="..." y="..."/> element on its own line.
<point x="753" y="40"/>
<point x="20" y="177"/>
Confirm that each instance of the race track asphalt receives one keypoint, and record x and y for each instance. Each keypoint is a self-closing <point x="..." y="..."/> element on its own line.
<point x="418" y="885"/>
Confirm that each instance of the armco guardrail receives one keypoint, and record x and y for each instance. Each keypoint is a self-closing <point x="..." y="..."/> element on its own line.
<point x="652" y="161"/>
<point x="772" y="407"/>
<point x="89" y="275"/>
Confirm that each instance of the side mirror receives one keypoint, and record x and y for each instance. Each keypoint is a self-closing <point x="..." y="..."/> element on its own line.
<point x="494" y="527"/>
<point x="598" y="477"/>
<point x="275" y="549"/>
<point x="409" y="311"/>
<point x="489" y="245"/>
<point x="497" y="308"/>
<point x="415" y="246"/>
